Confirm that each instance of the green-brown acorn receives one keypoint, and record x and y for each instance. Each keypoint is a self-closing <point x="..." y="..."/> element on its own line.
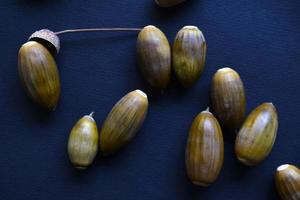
<point x="257" y="135"/>
<point x="39" y="74"/>
<point x="83" y="142"/>
<point x="168" y="3"/>
<point x="123" y="122"/>
<point x="154" y="57"/>
<point x="205" y="150"/>
<point x="228" y="98"/>
<point x="287" y="180"/>
<point x="189" y="53"/>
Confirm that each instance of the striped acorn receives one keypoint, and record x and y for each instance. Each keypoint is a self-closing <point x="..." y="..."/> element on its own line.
<point x="39" y="74"/>
<point x="154" y="57"/>
<point x="189" y="53"/>
<point x="257" y="135"/>
<point x="123" y="122"/>
<point x="205" y="150"/>
<point x="168" y="3"/>
<point x="228" y="98"/>
<point x="83" y="142"/>
<point x="287" y="180"/>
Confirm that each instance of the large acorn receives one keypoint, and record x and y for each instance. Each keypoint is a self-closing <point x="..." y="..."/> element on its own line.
<point x="205" y="150"/>
<point x="228" y="98"/>
<point x="168" y="3"/>
<point x="154" y="57"/>
<point x="37" y="68"/>
<point x="287" y="180"/>
<point x="189" y="53"/>
<point x="83" y="142"/>
<point x="257" y="135"/>
<point x="123" y="122"/>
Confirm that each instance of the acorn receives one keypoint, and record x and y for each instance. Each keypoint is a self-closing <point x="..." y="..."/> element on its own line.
<point x="168" y="3"/>
<point x="189" y="53"/>
<point x="228" y="98"/>
<point x="257" y="135"/>
<point x="287" y="180"/>
<point x="83" y="142"/>
<point x="37" y="68"/>
<point x="154" y="57"/>
<point x="123" y="122"/>
<point x="205" y="150"/>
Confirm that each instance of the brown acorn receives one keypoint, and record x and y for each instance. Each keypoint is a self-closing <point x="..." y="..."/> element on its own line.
<point x="168" y="3"/>
<point x="189" y="53"/>
<point x="257" y="135"/>
<point x="228" y="98"/>
<point x="38" y="72"/>
<point x="123" y="122"/>
<point x="83" y="142"/>
<point x="154" y="57"/>
<point x="287" y="180"/>
<point x="205" y="150"/>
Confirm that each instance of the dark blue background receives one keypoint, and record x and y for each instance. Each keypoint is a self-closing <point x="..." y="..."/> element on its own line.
<point x="258" y="38"/>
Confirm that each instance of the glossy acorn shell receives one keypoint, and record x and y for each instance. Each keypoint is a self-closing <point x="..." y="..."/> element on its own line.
<point x="189" y="53"/>
<point x="228" y="98"/>
<point x="257" y="135"/>
<point x="154" y="57"/>
<point x="123" y="122"/>
<point x="83" y="142"/>
<point x="205" y="150"/>
<point x="168" y="3"/>
<point x="39" y="74"/>
<point x="287" y="180"/>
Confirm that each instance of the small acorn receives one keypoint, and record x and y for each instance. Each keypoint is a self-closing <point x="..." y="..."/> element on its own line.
<point x="228" y="98"/>
<point x="257" y="135"/>
<point x="83" y="142"/>
<point x="287" y="180"/>
<point x="189" y="53"/>
<point x="154" y="57"/>
<point x="123" y="122"/>
<point x="168" y="3"/>
<point x="205" y="150"/>
<point x="37" y="68"/>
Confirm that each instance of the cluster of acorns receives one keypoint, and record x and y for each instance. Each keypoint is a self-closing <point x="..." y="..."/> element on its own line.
<point x="205" y="146"/>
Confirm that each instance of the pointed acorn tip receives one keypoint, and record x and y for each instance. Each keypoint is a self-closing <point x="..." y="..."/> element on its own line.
<point x="283" y="167"/>
<point x="91" y="114"/>
<point x="207" y="110"/>
<point x="143" y="94"/>
<point x="191" y="27"/>
<point x="225" y="69"/>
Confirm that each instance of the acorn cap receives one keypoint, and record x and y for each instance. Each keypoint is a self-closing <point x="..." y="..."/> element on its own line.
<point x="47" y="38"/>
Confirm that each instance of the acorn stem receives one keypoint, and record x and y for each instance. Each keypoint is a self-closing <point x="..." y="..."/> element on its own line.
<point x="96" y="30"/>
<point x="92" y="114"/>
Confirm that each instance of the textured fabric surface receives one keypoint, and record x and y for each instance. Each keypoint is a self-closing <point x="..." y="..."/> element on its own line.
<point x="258" y="38"/>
